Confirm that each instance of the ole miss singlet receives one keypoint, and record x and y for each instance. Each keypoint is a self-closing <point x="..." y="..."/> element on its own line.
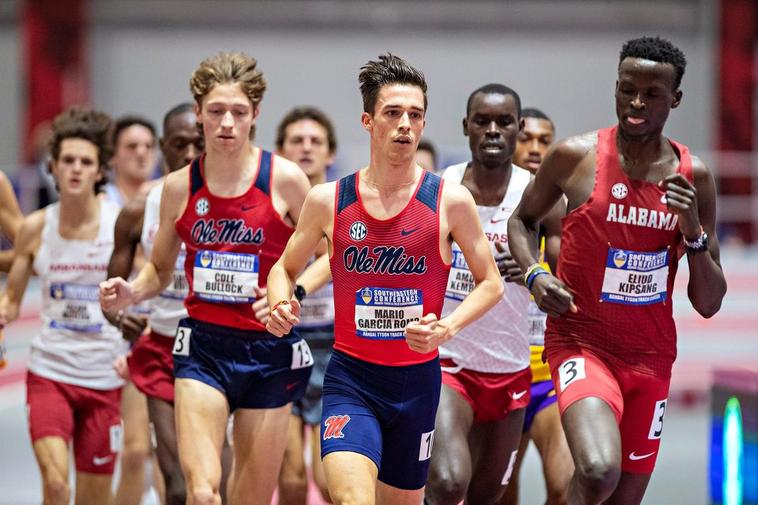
<point x="619" y="255"/>
<point x="232" y="243"/>
<point x="386" y="272"/>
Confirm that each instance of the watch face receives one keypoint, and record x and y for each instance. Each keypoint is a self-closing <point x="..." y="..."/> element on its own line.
<point x="299" y="292"/>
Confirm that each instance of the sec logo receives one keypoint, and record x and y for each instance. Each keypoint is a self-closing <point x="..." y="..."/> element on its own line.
<point x="358" y="231"/>
<point x="619" y="190"/>
<point x="202" y="207"/>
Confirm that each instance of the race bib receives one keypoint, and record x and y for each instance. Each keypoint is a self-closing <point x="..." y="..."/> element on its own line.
<point x="75" y="307"/>
<point x="383" y="313"/>
<point x="635" y="278"/>
<point x="178" y="288"/>
<point x="537" y="320"/>
<point x="318" y="309"/>
<point x="460" y="282"/>
<point x="225" y="277"/>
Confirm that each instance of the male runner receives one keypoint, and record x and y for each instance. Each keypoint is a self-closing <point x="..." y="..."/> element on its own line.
<point x="542" y="421"/>
<point x="390" y="227"/>
<point x="73" y="392"/>
<point x="636" y="202"/>
<point x="485" y="369"/>
<point x="234" y="208"/>
<point x="132" y="164"/>
<point x="133" y="158"/>
<point x="306" y="136"/>
<point x="151" y="367"/>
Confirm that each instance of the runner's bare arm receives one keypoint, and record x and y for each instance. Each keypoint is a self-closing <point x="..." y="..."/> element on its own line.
<point x="10" y="219"/>
<point x="696" y="207"/>
<point x="126" y="237"/>
<point x="551" y="227"/>
<point x="316" y="275"/>
<point x="314" y="225"/>
<point x="157" y="274"/>
<point x="27" y="244"/>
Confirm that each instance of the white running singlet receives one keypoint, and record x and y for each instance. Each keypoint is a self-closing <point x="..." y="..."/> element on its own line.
<point x="76" y="345"/>
<point x="167" y="308"/>
<point x="498" y="342"/>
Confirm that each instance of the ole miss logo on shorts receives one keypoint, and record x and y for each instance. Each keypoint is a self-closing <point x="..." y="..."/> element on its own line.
<point x="333" y="426"/>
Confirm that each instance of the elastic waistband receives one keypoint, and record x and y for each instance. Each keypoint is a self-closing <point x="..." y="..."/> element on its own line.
<point x="219" y="330"/>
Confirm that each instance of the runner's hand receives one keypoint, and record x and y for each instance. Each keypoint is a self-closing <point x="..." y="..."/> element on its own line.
<point x="427" y="334"/>
<point x="260" y="305"/>
<point x="121" y="367"/>
<point x="509" y="269"/>
<point x="283" y="318"/>
<point x="552" y="296"/>
<point x="681" y="199"/>
<point x="115" y="294"/>
<point x="132" y="326"/>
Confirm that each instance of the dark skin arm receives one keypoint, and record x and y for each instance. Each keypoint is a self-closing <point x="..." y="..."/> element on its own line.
<point x="127" y="234"/>
<point x="696" y="207"/>
<point x="551" y="229"/>
<point x="564" y="163"/>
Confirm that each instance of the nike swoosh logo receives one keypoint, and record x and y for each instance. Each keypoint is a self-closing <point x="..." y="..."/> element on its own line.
<point x="290" y="386"/>
<point x="245" y="208"/>
<point x="495" y="221"/>
<point x="102" y="461"/>
<point x="518" y="396"/>
<point x="405" y="233"/>
<point x="634" y="457"/>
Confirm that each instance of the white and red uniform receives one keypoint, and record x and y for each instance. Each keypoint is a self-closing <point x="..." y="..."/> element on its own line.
<point x="619" y="255"/>
<point x="488" y="361"/>
<point x="73" y="390"/>
<point x="151" y="365"/>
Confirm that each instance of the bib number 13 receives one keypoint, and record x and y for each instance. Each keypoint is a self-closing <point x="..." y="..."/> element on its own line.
<point x="301" y="355"/>
<point x="182" y="341"/>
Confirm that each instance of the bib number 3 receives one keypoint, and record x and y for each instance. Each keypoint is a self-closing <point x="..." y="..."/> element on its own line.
<point x="570" y="371"/>
<point x="301" y="355"/>
<point x="182" y="341"/>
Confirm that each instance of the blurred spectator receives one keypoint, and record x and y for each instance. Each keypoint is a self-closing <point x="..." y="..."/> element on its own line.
<point x="426" y="155"/>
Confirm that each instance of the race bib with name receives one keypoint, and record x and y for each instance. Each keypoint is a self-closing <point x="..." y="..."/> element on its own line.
<point x="635" y="278"/>
<point x="317" y="310"/>
<point x="460" y="282"/>
<point x="225" y="277"/>
<point x="178" y="288"/>
<point x="75" y="307"/>
<point x="383" y="313"/>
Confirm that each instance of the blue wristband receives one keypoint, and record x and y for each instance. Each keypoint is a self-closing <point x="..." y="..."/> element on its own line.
<point x="530" y="280"/>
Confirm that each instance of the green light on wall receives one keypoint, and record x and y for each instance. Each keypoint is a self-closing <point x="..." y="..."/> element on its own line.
<point x="733" y="452"/>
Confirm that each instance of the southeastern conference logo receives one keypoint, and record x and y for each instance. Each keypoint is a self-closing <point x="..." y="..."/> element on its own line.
<point x="619" y="259"/>
<point x="366" y="295"/>
<point x="205" y="259"/>
<point x="358" y="231"/>
<point x="619" y="190"/>
<point x="202" y="207"/>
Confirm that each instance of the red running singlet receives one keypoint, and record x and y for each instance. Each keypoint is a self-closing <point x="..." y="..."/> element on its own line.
<point x="387" y="273"/>
<point x="619" y="255"/>
<point x="232" y="243"/>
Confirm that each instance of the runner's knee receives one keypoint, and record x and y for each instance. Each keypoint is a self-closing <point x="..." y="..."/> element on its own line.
<point x="598" y="477"/>
<point x="447" y="484"/>
<point x="57" y="491"/>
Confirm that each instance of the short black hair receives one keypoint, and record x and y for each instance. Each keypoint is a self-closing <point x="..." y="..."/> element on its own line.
<point x="125" y="122"/>
<point x="306" y="112"/>
<point x="658" y="50"/>
<point x="426" y="145"/>
<point x="389" y="69"/>
<point x="494" y="89"/>
<point x="182" y="108"/>
<point x="536" y="113"/>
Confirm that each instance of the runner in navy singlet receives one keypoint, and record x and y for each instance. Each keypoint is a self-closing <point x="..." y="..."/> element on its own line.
<point x="636" y="202"/>
<point x="389" y="227"/>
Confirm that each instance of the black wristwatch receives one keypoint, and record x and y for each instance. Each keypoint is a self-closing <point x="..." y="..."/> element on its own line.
<point x="299" y="292"/>
<point x="700" y="244"/>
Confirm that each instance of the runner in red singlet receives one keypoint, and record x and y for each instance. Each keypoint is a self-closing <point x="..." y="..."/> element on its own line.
<point x="636" y="202"/>
<point x="389" y="227"/>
